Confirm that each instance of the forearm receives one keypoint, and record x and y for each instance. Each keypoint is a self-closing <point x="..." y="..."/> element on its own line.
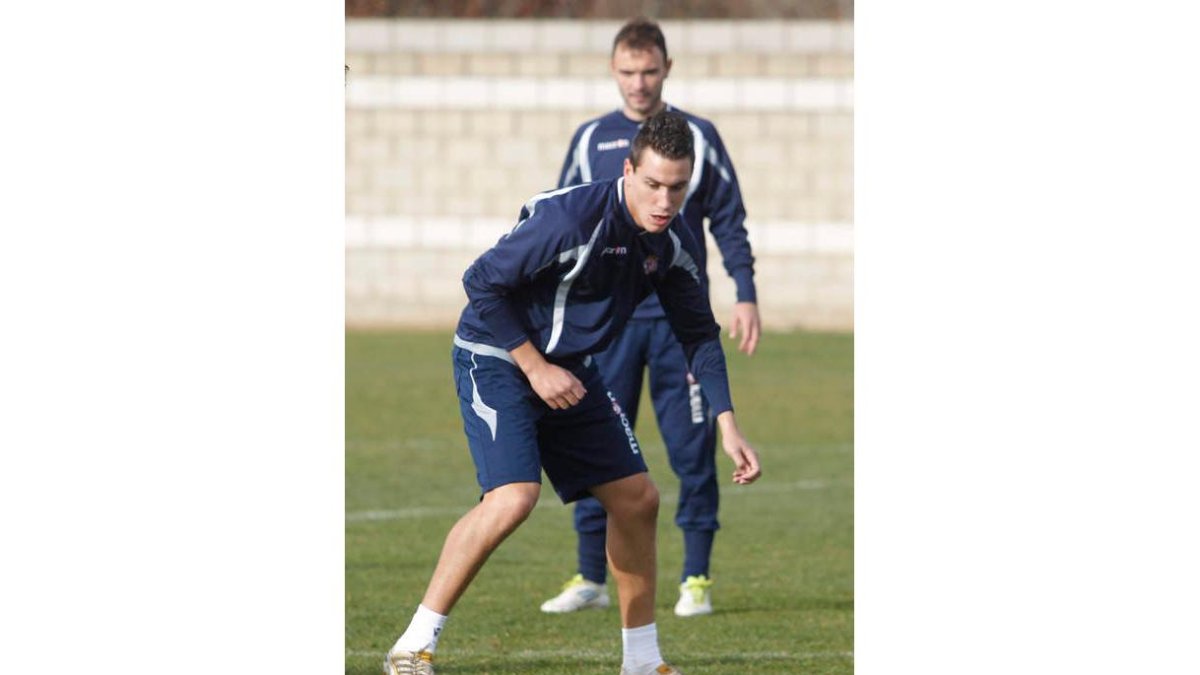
<point x="558" y="387"/>
<point x="488" y="291"/>
<point x="706" y="362"/>
<point x="743" y="280"/>
<point x="500" y="317"/>
<point x="528" y="358"/>
<point x="729" y="234"/>
<point x="727" y="423"/>
<point x="745" y="459"/>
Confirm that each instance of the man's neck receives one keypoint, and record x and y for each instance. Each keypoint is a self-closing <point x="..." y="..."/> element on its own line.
<point x="633" y="218"/>
<point x="638" y="117"/>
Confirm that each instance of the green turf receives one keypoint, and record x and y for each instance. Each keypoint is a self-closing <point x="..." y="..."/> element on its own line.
<point x="783" y="560"/>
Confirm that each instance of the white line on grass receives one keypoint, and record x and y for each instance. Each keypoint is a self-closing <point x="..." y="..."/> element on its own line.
<point x="595" y="654"/>
<point x="403" y="514"/>
<point x="666" y="498"/>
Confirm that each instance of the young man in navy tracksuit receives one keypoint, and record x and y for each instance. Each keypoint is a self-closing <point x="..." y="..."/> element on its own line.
<point x="548" y="296"/>
<point x="681" y="403"/>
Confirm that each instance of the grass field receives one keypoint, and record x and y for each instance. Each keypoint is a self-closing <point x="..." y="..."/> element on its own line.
<point x="783" y="560"/>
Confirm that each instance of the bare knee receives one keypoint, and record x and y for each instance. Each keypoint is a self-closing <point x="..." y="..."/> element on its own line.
<point x="509" y="505"/>
<point x="634" y="497"/>
<point x="647" y="504"/>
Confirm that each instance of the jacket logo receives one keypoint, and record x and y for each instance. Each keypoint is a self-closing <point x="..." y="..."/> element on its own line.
<point x="615" y="250"/>
<point x="650" y="264"/>
<point x="612" y="145"/>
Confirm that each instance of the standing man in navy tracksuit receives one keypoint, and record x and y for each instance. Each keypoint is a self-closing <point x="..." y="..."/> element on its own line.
<point x="548" y="296"/>
<point x="682" y="404"/>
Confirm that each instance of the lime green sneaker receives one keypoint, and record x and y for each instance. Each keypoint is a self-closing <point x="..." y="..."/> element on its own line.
<point x="577" y="594"/>
<point x="694" y="597"/>
<point x="408" y="663"/>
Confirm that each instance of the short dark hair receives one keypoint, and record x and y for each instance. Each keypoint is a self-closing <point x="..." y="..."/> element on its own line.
<point x="667" y="134"/>
<point x="641" y="33"/>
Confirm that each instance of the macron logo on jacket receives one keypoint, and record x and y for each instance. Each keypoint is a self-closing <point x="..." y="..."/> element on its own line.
<point x="612" y="145"/>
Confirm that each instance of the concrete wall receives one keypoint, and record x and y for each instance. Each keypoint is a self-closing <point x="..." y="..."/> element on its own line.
<point x="452" y="124"/>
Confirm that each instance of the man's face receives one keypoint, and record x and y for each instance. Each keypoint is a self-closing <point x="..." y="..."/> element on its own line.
<point x="655" y="190"/>
<point x="640" y="74"/>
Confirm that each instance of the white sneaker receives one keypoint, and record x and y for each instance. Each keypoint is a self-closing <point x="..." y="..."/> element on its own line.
<point x="577" y="594"/>
<point x="408" y="663"/>
<point x="664" y="669"/>
<point x="694" y="597"/>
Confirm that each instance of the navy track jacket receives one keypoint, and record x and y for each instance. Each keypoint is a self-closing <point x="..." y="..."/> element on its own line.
<point x="569" y="275"/>
<point x="598" y="151"/>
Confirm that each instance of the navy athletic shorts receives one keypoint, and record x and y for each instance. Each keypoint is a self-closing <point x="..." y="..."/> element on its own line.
<point x="514" y="435"/>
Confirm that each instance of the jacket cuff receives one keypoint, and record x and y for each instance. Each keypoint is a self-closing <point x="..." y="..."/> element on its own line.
<point x="744" y="279"/>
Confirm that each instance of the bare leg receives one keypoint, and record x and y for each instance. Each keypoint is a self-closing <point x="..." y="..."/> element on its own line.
<point x="473" y="538"/>
<point x="632" y="505"/>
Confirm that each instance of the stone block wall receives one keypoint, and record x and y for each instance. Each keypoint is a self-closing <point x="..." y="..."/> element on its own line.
<point x="452" y="124"/>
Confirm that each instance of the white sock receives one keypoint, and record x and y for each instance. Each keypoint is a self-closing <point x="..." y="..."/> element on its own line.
<point x="423" y="631"/>
<point x="641" y="649"/>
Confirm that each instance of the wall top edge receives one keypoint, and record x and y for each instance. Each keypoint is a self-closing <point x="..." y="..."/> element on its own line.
<point x="582" y="36"/>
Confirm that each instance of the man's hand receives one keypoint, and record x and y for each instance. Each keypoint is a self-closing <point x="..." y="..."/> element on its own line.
<point x="746" y="469"/>
<point x="556" y="386"/>
<point x="553" y="384"/>
<point x="745" y="321"/>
